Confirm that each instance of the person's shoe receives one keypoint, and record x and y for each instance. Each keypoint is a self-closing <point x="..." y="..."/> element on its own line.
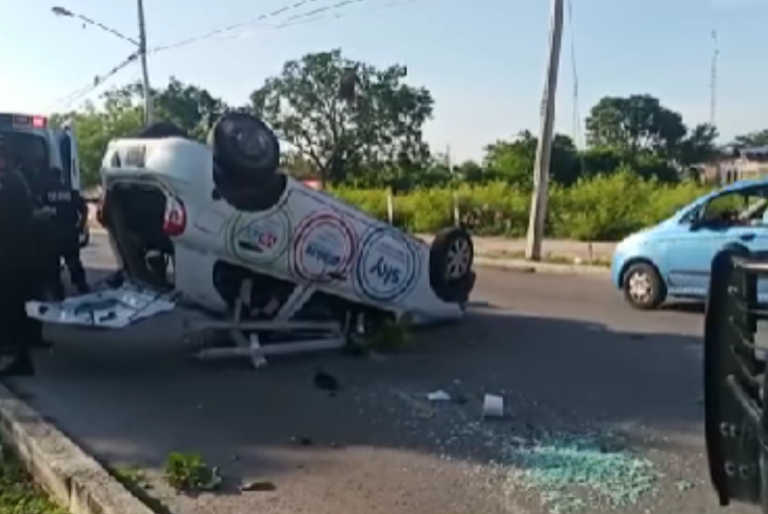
<point x="25" y="365"/>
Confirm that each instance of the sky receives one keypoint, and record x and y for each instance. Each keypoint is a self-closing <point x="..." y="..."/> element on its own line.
<point x="483" y="60"/>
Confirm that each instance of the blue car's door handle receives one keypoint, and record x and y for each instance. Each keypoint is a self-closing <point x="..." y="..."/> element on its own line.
<point x="747" y="237"/>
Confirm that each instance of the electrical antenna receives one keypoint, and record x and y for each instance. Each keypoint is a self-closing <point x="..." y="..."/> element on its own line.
<point x="713" y="80"/>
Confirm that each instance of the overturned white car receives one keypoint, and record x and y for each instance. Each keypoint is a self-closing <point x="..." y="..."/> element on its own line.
<point x="278" y="265"/>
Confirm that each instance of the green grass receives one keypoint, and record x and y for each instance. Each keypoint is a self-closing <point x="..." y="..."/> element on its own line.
<point x="19" y="494"/>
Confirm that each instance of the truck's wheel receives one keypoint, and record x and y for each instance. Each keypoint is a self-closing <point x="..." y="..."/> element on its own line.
<point x="450" y="265"/>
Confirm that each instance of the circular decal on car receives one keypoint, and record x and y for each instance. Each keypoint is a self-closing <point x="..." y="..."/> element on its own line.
<point x="387" y="267"/>
<point x="323" y="248"/>
<point x="262" y="239"/>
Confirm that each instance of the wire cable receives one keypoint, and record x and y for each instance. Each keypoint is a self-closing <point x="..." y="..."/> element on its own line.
<point x="234" y="26"/>
<point x="320" y="15"/>
<point x="577" y="132"/>
<point x="94" y="84"/>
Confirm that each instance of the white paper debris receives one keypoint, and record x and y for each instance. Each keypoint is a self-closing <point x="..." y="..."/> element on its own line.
<point x="439" y="396"/>
<point x="493" y="406"/>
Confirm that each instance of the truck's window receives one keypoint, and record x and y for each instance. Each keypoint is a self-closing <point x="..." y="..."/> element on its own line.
<point x="26" y="149"/>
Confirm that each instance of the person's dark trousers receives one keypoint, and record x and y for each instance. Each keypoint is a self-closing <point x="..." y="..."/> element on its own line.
<point x="17" y="331"/>
<point x="70" y="252"/>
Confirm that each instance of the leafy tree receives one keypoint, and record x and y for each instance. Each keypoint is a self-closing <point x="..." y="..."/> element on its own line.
<point x="514" y="160"/>
<point x="377" y="120"/>
<point x="759" y="138"/>
<point x="190" y="107"/>
<point x="699" y="145"/>
<point x="635" y="124"/>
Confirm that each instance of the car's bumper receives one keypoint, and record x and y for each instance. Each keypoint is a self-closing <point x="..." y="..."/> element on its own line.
<point x="617" y="263"/>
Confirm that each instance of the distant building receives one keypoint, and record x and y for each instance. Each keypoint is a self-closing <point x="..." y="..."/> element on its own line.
<point x="734" y="164"/>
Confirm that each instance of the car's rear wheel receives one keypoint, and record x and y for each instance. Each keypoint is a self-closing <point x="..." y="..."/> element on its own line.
<point x="245" y="148"/>
<point x="246" y="160"/>
<point x="643" y="287"/>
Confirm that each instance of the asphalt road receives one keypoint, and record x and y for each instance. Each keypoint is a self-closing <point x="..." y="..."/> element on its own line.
<point x="566" y="352"/>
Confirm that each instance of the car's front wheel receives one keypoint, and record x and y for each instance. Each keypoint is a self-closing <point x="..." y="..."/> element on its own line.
<point x="643" y="287"/>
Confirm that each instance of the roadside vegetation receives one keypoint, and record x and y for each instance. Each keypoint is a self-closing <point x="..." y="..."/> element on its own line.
<point x="602" y="208"/>
<point x="638" y="161"/>
<point x="19" y="494"/>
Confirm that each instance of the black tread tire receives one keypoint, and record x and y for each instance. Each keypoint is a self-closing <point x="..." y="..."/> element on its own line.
<point x="251" y="198"/>
<point x="161" y="130"/>
<point x="453" y="290"/>
<point x="658" y="288"/>
<point x="234" y="161"/>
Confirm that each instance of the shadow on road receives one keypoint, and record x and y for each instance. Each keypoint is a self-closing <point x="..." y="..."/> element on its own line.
<point x="547" y="368"/>
<point x="133" y="397"/>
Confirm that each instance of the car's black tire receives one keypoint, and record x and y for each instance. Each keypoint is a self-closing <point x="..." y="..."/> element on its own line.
<point x="161" y="130"/>
<point x="257" y="197"/>
<point x="450" y="265"/>
<point x="244" y="148"/>
<point x="643" y="286"/>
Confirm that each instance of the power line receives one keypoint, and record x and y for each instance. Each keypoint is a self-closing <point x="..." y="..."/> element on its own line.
<point x="713" y="79"/>
<point x="577" y="133"/>
<point x="300" y="18"/>
<point x="322" y="14"/>
<point x="234" y="26"/>
<point x="95" y="83"/>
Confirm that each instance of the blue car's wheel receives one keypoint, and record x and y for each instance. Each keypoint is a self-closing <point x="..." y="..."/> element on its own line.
<point x="643" y="287"/>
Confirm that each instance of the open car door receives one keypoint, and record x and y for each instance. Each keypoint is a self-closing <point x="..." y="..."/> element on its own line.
<point x="111" y="308"/>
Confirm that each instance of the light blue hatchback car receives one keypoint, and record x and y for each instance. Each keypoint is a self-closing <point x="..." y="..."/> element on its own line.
<point x="673" y="258"/>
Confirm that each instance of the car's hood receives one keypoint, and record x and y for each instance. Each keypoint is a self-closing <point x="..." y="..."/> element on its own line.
<point x="639" y="237"/>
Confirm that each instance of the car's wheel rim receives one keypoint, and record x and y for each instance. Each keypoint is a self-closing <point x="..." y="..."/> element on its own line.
<point x="640" y="287"/>
<point x="458" y="259"/>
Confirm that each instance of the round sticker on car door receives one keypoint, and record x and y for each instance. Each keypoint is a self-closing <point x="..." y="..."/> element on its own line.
<point x="323" y="248"/>
<point x="387" y="267"/>
<point x="263" y="239"/>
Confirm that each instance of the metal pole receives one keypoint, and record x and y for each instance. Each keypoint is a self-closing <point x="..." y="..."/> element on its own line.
<point x="148" y="111"/>
<point x="454" y="192"/>
<point x="538" y="212"/>
<point x="713" y="80"/>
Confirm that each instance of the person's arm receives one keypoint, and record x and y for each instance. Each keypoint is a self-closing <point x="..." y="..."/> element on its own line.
<point x="81" y="207"/>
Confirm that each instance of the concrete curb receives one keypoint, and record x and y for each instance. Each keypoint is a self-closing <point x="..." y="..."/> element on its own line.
<point x="542" y="267"/>
<point x="73" y="478"/>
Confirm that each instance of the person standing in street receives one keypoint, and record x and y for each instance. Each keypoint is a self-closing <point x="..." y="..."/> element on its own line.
<point x="65" y="229"/>
<point x="18" y="234"/>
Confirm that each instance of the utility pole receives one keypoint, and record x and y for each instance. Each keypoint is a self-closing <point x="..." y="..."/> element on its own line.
<point x="148" y="110"/>
<point x="538" y="212"/>
<point x="713" y="80"/>
<point x="141" y="45"/>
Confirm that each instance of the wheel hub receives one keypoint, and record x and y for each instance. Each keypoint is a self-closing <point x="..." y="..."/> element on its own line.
<point x="640" y="287"/>
<point x="458" y="259"/>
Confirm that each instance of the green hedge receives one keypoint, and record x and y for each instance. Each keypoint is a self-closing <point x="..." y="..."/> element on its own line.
<point x="603" y="208"/>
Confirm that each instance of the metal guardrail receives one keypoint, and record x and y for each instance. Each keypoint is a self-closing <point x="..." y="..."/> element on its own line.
<point x="736" y="422"/>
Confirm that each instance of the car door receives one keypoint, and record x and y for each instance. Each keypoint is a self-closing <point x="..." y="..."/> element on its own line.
<point x="734" y="217"/>
<point x="109" y="308"/>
